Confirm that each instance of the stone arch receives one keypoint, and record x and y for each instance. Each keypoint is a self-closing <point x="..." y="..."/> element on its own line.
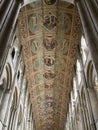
<point x="15" y="51"/>
<point x="95" y="79"/>
<point x="20" y="72"/>
<point x="16" y="96"/>
<point x="9" y="76"/>
<point x="89" y="74"/>
<point x="92" y="94"/>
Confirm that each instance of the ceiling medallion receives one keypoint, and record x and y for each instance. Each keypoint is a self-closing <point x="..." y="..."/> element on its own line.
<point x="49" y="21"/>
<point x="50" y="2"/>
<point x="49" y="43"/>
<point x="49" y="61"/>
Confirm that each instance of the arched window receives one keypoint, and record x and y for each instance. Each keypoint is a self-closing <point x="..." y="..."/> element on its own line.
<point x="92" y="78"/>
<point x="15" y="51"/>
<point x="20" y="73"/>
<point x="84" y="49"/>
<point x="5" y="86"/>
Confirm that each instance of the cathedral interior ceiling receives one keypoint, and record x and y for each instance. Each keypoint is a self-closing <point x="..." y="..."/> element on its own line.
<point x="49" y="31"/>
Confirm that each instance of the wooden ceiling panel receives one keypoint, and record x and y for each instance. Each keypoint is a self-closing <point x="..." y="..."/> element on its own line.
<point x="50" y="32"/>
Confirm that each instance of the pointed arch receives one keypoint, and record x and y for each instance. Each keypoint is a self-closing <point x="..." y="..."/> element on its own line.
<point x="9" y="76"/>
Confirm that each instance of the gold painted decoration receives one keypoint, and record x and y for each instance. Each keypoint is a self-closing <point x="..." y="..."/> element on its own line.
<point x="49" y="75"/>
<point x="50" y="32"/>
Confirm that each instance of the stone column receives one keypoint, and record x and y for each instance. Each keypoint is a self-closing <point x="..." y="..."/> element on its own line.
<point x="89" y="31"/>
<point x="75" y="118"/>
<point x="5" y="10"/>
<point x="93" y="12"/>
<point x="70" y="116"/>
<point x="4" y="108"/>
<point x="91" y="118"/>
<point x="7" y="33"/>
<point x="89" y="108"/>
<point x="80" y="110"/>
<point x="94" y="104"/>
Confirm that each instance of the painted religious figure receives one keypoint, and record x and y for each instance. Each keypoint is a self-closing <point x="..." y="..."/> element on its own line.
<point x="65" y="20"/>
<point x="36" y="43"/>
<point x="49" y="104"/>
<point x="37" y="63"/>
<point x="49" y="61"/>
<point x="38" y="77"/>
<point x="50" y="21"/>
<point x="49" y="44"/>
<point x="34" y="23"/>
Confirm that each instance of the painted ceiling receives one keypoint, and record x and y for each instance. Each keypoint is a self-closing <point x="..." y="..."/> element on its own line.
<point x="50" y="31"/>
